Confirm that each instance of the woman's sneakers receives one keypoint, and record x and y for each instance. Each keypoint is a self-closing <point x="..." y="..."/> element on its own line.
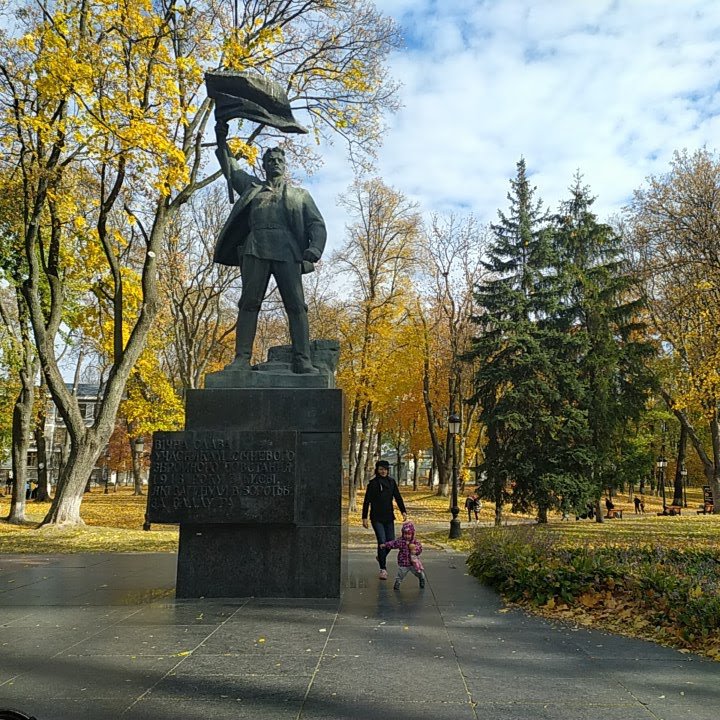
<point x="383" y="575"/>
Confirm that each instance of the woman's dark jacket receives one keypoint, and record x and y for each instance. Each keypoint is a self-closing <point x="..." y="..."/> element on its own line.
<point x="379" y="496"/>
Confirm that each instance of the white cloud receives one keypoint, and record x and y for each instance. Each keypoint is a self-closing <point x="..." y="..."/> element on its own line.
<point x="610" y="88"/>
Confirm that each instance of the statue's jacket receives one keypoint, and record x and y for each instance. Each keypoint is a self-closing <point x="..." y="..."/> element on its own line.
<point x="303" y="216"/>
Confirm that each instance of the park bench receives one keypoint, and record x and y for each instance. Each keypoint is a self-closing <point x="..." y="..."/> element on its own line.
<point x="706" y="509"/>
<point x="614" y="513"/>
<point x="672" y="510"/>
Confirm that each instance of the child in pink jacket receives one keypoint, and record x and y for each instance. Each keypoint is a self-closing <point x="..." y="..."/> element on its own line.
<point x="409" y="548"/>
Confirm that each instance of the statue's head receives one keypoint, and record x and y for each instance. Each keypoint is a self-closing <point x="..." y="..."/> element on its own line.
<point x="273" y="161"/>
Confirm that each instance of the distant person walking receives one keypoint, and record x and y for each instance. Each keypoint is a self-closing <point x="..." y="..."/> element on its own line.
<point x="378" y="503"/>
<point x="472" y="505"/>
<point x="636" y="500"/>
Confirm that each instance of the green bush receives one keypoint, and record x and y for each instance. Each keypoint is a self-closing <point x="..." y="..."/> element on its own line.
<point x="676" y="588"/>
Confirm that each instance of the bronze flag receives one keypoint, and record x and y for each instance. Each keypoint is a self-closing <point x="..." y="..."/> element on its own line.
<point x="252" y="97"/>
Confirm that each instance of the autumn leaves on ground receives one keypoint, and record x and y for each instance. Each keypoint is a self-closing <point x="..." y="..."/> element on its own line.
<point x="649" y="576"/>
<point x="113" y="524"/>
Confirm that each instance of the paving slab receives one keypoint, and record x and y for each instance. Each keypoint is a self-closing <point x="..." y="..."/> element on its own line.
<point x="101" y="636"/>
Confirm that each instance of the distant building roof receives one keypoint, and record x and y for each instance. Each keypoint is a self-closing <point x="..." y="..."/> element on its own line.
<point x="85" y="390"/>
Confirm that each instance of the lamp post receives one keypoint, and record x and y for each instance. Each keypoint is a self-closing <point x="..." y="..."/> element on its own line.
<point x="106" y="467"/>
<point x="683" y="474"/>
<point x="40" y="477"/>
<point x="138" y="454"/>
<point x="139" y="450"/>
<point x="139" y="446"/>
<point x="57" y="461"/>
<point x="454" y="429"/>
<point x="661" y="465"/>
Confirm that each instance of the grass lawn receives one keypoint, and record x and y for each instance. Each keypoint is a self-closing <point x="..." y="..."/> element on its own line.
<point x="114" y="522"/>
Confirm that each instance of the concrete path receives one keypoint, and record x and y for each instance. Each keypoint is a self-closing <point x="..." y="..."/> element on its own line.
<point x="101" y="637"/>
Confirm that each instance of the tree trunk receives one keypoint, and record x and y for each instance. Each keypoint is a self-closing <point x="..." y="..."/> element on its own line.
<point x="17" y="503"/>
<point x="352" y="457"/>
<point x="444" y="485"/>
<point x="21" y="423"/>
<point x="715" y="477"/>
<point x="359" y="464"/>
<point x="679" y="466"/>
<point x="368" y="438"/>
<point x="137" y="478"/>
<point x="65" y="508"/>
<point x="440" y="454"/>
<point x="415" y="470"/>
<point x="461" y="459"/>
<point x="86" y="443"/>
<point x="498" y="506"/>
<point x="711" y="467"/>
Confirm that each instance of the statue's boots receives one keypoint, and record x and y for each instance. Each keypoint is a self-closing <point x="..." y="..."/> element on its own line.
<point x="244" y="338"/>
<point x="302" y="366"/>
<point x="300" y="337"/>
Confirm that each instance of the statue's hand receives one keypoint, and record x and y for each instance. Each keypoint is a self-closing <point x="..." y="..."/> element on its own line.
<point x="311" y="255"/>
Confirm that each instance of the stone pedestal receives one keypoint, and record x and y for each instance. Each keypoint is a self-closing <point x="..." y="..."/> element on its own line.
<point x="255" y="482"/>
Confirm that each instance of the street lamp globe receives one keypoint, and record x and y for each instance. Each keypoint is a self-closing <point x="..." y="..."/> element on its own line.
<point x="454" y="424"/>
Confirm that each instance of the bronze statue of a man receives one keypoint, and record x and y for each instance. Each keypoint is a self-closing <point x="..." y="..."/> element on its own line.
<point x="273" y="229"/>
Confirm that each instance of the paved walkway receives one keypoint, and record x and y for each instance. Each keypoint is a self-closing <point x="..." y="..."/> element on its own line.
<point x="101" y="637"/>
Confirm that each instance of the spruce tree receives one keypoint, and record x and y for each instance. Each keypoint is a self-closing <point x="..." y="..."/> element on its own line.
<point x="517" y="352"/>
<point x="602" y="308"/>
<point x="560" y="354"/>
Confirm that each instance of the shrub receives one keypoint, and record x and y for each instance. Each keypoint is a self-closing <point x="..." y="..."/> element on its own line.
<point x="676" y="589"/>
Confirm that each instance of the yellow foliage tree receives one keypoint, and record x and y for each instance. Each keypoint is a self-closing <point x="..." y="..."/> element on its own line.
<point x="376" y="261"/>
<point x="103" y="123"/>
<point x="673" y="229"/>
<point x="452" y="250"/>
<point x="402" y="410"/>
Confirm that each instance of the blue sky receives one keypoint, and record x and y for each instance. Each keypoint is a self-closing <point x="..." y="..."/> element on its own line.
<point x="609" y="88"/>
